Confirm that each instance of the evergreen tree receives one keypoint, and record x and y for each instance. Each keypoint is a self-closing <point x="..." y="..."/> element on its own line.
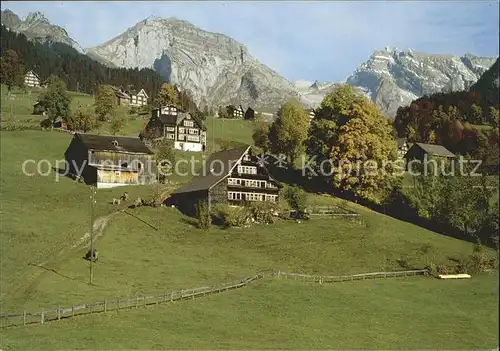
<point x="11" y="70"/>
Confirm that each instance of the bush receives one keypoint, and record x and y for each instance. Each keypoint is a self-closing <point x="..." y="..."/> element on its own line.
<point x="263" y="212"/>
<point x="203" y="215"/>
<point x="481" y="261"/>
<point x="233" y="216"/>
<point x="296" y="198"/>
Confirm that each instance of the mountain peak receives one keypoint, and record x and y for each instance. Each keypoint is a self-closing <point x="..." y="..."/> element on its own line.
<point x="36" y="16"/>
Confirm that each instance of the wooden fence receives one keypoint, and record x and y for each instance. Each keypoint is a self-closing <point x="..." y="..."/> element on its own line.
<point x="331" y="211"/>
<point x="107" y="305"/>
<point x="9" y="320"/>
<point x="342" y="278"/>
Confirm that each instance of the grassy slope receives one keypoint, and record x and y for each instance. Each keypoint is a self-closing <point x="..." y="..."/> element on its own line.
<point x="41" y="217"/>
<point x="416" y="313"/>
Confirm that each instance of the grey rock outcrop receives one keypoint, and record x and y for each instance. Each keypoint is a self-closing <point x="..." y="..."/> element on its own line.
<point x="36" y="27"/>
<point x="215" y="68"/>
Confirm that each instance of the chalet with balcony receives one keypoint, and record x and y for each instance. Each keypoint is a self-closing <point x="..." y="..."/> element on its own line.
<point x="233" y="177"/>
<point x="185" y="131"/>
<point x="110" y="161"/>
<point x="31" y="79"/>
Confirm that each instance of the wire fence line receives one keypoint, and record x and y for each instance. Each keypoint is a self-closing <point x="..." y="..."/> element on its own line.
<point x="341" y="278"/>
<point x="126" y="303"/>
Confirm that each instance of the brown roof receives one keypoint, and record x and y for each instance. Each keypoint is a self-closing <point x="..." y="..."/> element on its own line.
<point x="113" y="143"/>
<point x="177" y="118"/>
<point x="226" y="160"/>
<point x="435" y="150"/>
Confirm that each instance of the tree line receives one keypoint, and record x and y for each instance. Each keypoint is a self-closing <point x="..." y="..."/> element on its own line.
<point x="349" y="130"/>
<point x="78" y="71"/>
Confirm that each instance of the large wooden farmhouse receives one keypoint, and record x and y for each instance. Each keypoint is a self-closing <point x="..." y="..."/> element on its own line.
<point x="110" y="161"/>
<point x="186" y="132"/>
<point x="231" y="177"/>
<point x="31" y="79"/>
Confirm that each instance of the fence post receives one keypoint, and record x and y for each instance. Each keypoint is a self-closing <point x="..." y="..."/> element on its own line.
<point x="72" y="310"/>
<point x="105" y="305"/>
<point x="118" y="308"/>
<point x="182" y="293"/>
<point x="43" y="317"/>
<point x="172" y="296"/>
<point x="24" y="317"/>
<point x="136" y="301"/>
<point x="59" y="313"/>
<point x="279" y="273"/>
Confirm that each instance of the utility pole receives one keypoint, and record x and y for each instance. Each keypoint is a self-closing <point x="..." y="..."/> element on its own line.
<point x="159" y="197"/>
<point x="93" y="201"/>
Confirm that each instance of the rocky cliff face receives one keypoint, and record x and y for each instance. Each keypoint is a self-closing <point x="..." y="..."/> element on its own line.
<point x="215" y="68"/>
<point x="35" y="26"/>
<point x="394" y="78"/>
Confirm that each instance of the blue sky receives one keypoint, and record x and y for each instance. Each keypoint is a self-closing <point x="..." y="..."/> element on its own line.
<point x="300" y="40"/>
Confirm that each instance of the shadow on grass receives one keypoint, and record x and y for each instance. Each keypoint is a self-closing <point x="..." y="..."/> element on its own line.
<point x="140" y="219"/>
<point x="190" y="221"/>
<point x="56" y="272"/>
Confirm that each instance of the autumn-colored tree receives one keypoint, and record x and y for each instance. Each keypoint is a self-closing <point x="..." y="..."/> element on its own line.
<point x="476" y="114"/>
<point x="350" y="131"/>
<point x="166" y="96"/>
<point x="11" y="70"/>
<point x="118" y="121"/>
<point x="288" y="133"/>
<point x="105" y="102"/>
<point x="55" y="100"/>
<point x="83" y="120"/>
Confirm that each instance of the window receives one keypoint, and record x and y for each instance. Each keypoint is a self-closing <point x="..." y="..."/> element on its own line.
<point x="181" y="137"/>
<point x="171" y="129"/>
<point x="170" y="136"/>
<point x="194" y="131"/>
<point x="247" y="169"/>
<point x="114" y="142"/>
<point x="232" y="195"/>
<point x="193" y="138"/>
<point x="182" y="130"/>
<point x="188" y="123"/>
<point x="117" y="173"/>
<point x="124" y="165"/>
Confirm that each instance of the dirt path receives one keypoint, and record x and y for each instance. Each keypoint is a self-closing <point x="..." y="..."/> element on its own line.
<point x="30" y="280"/>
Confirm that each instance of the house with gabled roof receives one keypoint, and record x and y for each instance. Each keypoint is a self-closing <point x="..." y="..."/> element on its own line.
<point x="108" y="161"/>
<point x="170" y="122"/>
<point x="31" y="79"/>
<point x="138" y="98"/>
<point x="420" y="152"/>
<point x="233" y="177"/>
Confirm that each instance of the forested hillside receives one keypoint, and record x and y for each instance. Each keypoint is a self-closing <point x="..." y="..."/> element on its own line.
<point x="489" y="83"/>
<point x="465" y="122"/>
<point x="78" y="71"/>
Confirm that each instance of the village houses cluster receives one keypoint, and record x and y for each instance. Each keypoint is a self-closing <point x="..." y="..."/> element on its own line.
<point x="111" y="161"/>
